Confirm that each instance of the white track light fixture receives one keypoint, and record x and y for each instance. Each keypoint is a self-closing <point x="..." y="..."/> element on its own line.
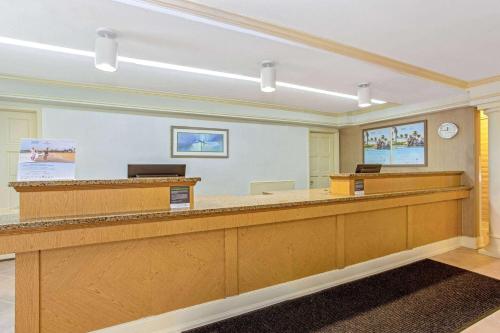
<point x="172" y="67"/>
<point x="364" y="98"/>
<point x="268" y="76"/>
<point x="106" y="50"/>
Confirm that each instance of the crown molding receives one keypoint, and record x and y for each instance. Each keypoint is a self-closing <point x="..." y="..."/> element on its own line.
<point x="481" y="82"/>
<point x="370" y="109"/>
<point x="41" y="93"/>
<point x="167" y="94"/>
<point x="484" y="94"/>
<point x="137" y="109"/>
<point x="486" y="97"/>
<point x="305" y="39"/>
<point x="404" y="111"/>
<point x="489" y="112"/>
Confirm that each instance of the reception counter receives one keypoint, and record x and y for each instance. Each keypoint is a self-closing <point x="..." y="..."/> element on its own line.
<point x="370" y="183"/>
<point x="82" y="272"/>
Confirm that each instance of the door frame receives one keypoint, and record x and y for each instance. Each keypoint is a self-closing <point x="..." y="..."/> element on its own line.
<point x="6" y="107"/>
<point x="9" y="107"/>
<point x="22" y="107"/>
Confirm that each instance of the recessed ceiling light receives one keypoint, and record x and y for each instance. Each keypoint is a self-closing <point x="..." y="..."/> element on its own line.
<point x="163" y="65"/>
<point x="268" y="77"/>
<point x="106" y="50"/>
<point x="364" y="99"/>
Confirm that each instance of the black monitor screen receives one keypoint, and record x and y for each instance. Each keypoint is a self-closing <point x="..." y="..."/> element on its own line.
<point x="368" y="168"/>
<point x="156" y="170"/>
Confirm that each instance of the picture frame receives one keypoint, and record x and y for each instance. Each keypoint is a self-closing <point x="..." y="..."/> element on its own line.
<point x="397" y="145"/>
<point x="46" y="159"/>
<point x="199" y="142"/>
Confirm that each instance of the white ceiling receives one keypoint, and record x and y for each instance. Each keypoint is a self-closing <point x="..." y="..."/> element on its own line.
<point x="156" y="36"/>
<point x="454" y="37"/>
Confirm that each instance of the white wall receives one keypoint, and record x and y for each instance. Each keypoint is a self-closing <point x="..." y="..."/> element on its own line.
<point x="107" y="142"/>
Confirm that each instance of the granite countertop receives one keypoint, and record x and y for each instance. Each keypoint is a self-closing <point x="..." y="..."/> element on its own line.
<point x="395" y="174"/>
<point x="87" y="182"/>
<point x="209" y="205"/>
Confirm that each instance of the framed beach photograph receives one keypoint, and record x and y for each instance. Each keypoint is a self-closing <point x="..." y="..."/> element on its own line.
<point x="397" y="145"/>
<point x="200" y="142"/>
<point x="46" y="159"/>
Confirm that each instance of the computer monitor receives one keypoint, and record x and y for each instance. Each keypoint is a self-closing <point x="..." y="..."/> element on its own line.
<point x="156" y="170"/>
<point x="368" y="168"/>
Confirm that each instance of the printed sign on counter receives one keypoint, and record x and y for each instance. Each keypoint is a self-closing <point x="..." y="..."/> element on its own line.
<point x="179" y="197"/>
<point x="46" y="159"/>
<point x="359" y="186"/>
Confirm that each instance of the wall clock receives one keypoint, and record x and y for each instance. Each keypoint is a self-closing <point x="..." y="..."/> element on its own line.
<point x="447" y="130"/>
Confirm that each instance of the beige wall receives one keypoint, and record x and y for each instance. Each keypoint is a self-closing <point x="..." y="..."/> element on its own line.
<point x="455" y="154"/>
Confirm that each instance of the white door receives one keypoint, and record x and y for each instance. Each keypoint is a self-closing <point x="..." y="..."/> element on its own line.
<point x="321" y="159"/>
<point x="14" y="125"/>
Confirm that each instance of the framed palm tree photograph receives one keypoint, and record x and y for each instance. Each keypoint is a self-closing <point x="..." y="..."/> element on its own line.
<point x="199" y="142"/>
<point x="396" y="145"/>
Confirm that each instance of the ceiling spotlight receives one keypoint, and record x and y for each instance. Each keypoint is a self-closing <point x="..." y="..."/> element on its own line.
<point x="268" y="76"/>
<point x="364" y="99"/>
<point x="167" y="66"/>
<point x="106" y="49"/>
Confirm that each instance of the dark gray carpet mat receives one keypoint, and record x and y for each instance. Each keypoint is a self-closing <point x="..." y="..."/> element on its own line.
<point x="426" y="296"/>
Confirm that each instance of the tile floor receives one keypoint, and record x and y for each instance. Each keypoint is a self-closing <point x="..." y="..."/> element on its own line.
<point x="461" y="257"/>
<point x="471" y="260"/>
<point x="7" y="296"/>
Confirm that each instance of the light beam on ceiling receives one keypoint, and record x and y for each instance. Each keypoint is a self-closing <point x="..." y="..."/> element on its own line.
<point x="180" y="68"/>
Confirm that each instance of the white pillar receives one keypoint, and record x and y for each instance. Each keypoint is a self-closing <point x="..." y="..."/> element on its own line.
<point x="493" y="248"/>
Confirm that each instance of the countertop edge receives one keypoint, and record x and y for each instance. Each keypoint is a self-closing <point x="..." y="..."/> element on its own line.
<point x="89" y="182"/>
<point x="395" y="174"/>
<point x="55" y="224"/>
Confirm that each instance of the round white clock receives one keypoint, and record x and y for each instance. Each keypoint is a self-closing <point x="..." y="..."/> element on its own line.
<point x="447" y="130"/>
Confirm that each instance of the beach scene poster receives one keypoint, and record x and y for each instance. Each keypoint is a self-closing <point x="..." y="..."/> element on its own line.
<point x="377" y="146"/>
<point x="396" y="145"/>
<point x="46" y="159"/>
<point x="199" y="142"/>
<point x="408" y="144"/>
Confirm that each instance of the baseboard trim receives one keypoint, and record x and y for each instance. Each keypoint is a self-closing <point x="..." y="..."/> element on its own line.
<point x="203" y="314"/>
<point x="493" y="248"/>
<point x="469" y="242"/>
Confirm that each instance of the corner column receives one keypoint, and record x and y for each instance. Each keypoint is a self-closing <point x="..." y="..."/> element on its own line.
<point x="493" y="248"/>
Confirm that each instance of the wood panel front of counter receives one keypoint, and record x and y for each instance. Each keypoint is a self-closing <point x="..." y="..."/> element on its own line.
<point x="84" y="279"/>
<point x="372" y="183"/>
<point x="91" y="197"/>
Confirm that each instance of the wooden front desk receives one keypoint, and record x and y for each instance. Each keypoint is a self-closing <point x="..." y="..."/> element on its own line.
<point x="98" y="271"/>
<point x="345" y="183"/>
